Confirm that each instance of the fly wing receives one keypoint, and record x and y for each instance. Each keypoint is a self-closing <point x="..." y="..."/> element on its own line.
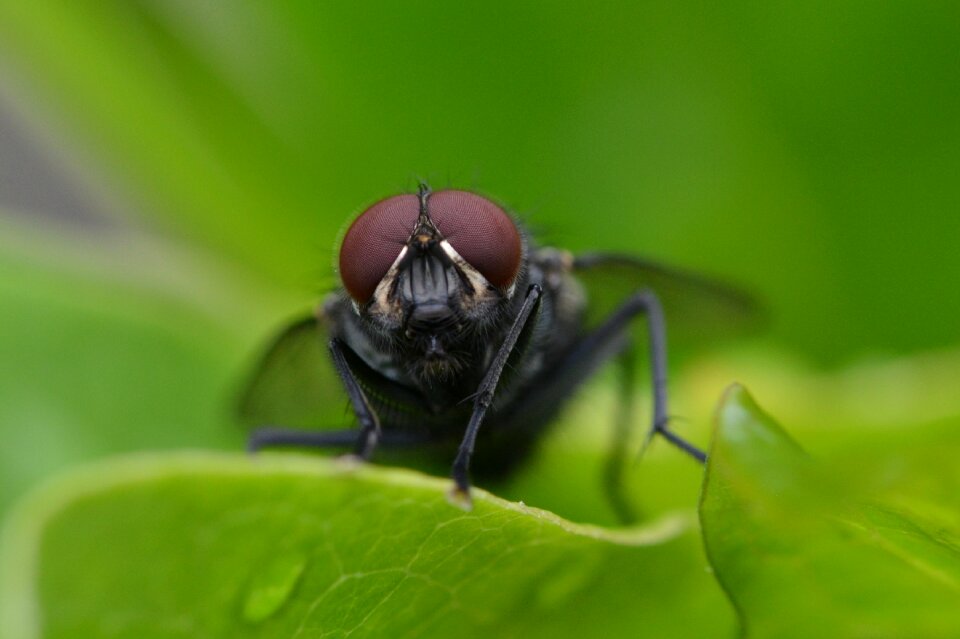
<point x="694" y="305"/>
<point x="294" y="384"/>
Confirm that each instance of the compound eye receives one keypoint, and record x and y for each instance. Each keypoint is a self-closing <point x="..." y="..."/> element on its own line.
<point x="481" y="232"/>
<point x="374" y="241"/>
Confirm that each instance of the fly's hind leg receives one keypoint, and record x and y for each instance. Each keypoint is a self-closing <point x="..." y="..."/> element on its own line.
<point x="614" y="470"/>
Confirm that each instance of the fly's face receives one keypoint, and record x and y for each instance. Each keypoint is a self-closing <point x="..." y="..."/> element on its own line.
<point x="431" y="272"/>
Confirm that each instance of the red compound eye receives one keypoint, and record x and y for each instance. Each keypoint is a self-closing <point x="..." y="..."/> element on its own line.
<point x="374" y="241"/>
<point x="476" y="228"/>
<point x="480" y="232"/>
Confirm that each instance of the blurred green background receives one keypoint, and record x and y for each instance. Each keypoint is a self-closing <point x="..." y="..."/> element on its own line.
<point x="174" y="175"/>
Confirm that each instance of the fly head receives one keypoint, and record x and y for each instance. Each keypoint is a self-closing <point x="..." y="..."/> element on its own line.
<point x="432" y="273"/>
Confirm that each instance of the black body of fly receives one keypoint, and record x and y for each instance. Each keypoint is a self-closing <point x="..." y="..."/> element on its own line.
<point x="451" y="324"/>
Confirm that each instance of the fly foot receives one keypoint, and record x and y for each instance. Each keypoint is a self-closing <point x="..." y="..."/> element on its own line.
<point x="459" y="497"/>
<point x="350" y="461"/>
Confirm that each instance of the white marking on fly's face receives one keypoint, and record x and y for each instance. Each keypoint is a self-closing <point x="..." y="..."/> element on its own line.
<point x="480" y="284"/>
<point x="389" y="311"/>
<point x="381" y="296"/>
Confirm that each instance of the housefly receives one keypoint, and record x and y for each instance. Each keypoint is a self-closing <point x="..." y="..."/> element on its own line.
<point x="453" y="331"/>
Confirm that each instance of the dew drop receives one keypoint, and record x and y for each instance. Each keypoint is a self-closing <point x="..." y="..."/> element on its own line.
<point x="272" y="587"/>
<point x="567" y="579"/>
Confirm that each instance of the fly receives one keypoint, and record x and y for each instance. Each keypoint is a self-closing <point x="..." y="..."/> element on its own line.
<point x="453" y="331"/>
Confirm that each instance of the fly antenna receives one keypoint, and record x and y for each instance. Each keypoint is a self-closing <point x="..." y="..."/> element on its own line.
<point x="423" y="192"/>
<point x="424" y="221"/>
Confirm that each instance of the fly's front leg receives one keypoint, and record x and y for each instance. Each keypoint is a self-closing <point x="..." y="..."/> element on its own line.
<point x="369" y="422"/>
<point x="460" y="495"/>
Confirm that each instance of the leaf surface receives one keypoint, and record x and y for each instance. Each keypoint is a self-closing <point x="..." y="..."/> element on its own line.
<point x="802" y="556"/>
<point x="292" y="546"/>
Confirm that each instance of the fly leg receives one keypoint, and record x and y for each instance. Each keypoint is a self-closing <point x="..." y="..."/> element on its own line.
<point x="613" y="475"/>
<point x="460" y="495"/>
<point x="270" y="437"/>
<point x="369" y="422"/>
<point x="274" y="437"/>
<point x="597" y="347"/>
<point x="364" y="442"/>
<point x="646" y="302"/>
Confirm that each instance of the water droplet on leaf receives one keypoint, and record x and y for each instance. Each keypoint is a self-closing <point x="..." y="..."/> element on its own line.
<point x="566" y="579"/>
<point x="271" y="587"/>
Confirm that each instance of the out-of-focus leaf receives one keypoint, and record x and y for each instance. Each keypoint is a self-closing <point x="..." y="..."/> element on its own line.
<point x="801" y="557"/>
<point x="101" y="353"/>
<point x="291" y="546"/>
<point x="730" y="139"/>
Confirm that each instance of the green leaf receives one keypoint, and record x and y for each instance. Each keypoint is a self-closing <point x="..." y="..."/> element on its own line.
<point x="257" y="129"/>
<point x="287" y="545"/>
<point x="800" y="557"/>
<point x="102" y="351"/>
